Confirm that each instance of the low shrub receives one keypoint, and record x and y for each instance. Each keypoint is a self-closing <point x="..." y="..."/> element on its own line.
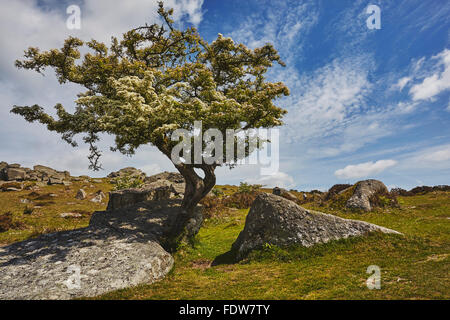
<point x="7" y="222"/>
<point x="28" y="210"/>
<point x="240" y="200"/>
<point x="245" y="187"/>
<point x="127" y="182"/>
<point x="212" y="206"/>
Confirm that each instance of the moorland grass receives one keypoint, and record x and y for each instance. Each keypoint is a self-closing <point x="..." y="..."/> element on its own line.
<point x="413" y="266"/>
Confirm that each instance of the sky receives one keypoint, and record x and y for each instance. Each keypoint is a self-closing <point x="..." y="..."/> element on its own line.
<point x="364" y="103"/>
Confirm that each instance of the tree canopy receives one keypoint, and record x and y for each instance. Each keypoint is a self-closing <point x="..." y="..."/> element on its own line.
<point x="154" y="80"/>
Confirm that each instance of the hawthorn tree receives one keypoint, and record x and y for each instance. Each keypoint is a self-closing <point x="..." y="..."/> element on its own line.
<point x="155" y="80"/>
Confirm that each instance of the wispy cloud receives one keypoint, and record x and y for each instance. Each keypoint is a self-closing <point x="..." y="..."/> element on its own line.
<point x="364" y="169"/>
<point x="280" y="179"/>
<point x="402" y="82"/>
<point x="436" y="83"/>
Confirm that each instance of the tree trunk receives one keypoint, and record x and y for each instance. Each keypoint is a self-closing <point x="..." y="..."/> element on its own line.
<point x="188" y="222"/>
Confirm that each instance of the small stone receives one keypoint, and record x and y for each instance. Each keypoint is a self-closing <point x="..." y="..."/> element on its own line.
<point x="70" y="215"/>
<point x="97" y="199"/>
<point x="12" y="189"/>
<point x="81" y="194"/>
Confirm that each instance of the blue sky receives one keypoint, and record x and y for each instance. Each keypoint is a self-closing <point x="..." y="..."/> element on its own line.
<point x="364" y="103"/>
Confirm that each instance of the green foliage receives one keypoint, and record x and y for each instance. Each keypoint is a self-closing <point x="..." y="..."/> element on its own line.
<point x="154" y="80"/>
<point x="217" y="192"/>
<point x="127" y="182"/>
<point x="245" y="187"/>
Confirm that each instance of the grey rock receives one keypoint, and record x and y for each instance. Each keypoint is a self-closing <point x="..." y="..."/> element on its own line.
<point x="276" y="220"/>
<point x="119" y="249"/>
<point x="81" y="194"/>
<point x="173" y="179"/>
<point x="127" y="197"/>
<point x="70" y="215"/>
<point x="53" y="181"/>
<point x="284" y="193"/>
<point x="79" y="263"/>
<point x="14" y="174"/>
<point x="149" y="218"/>
<point x="364" y="190"/>
<point x="97" y="199"/>
<point x="4" y="185"/>
<point x="128" y="171"/>
<point x="12" y="189"/>
<point x="3" y="165"/>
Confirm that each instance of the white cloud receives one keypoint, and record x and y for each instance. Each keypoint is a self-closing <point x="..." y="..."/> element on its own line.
<point x="434" y="159"/>
<point x="406" y="107"/>
<point x="280" y="179"/>
<point x="436" y="156"/>
<point x="22" y="24"/>
<point x="281" y="24"/>
<point x="402" y="82"/>
<point x="364" y="169"/>
<point x="436" y="83"/>
<point x="326" y="99"/>
<point x="151" y="169"/>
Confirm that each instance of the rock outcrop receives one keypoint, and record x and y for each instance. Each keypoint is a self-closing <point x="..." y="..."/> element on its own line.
<point x="284" y="193"/>
<point x="14" y="172"/>
<point x="364" y="192"/>
<point x="278" y="221"/>
<point x="162" y="186"/>
<point x="77" y="263"/>
<point x="119" y="249"/>
<point x="128" y="172"/>
<point x="335" y="190"/>
<point x="174" y="179"/>
<point x="127" y="197"/>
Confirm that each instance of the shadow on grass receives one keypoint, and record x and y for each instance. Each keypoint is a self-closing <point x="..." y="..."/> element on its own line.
<point x="228" y="257"/>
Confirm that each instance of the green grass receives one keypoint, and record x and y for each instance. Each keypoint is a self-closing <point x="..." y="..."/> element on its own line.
<point x="413" y="266"/>
<point x="46" y="218"/>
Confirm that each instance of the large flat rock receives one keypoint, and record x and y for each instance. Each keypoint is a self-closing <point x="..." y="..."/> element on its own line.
<point x="84" y="262"/>
<point x="119" y="249"/>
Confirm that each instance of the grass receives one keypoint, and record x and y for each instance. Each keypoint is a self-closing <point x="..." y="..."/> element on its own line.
<point x="413" y="266"/>
<point x="41" y="215"/>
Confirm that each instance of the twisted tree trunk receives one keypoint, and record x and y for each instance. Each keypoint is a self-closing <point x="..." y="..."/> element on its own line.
<point x="188" y="221"/>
